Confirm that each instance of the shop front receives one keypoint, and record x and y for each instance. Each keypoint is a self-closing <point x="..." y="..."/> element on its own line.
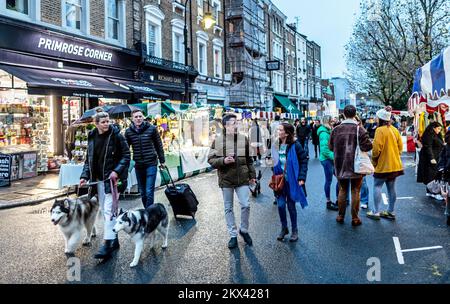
<point x="168" y="77"/>
<point x="47" y="81"/>
<point x="209" y="94"/>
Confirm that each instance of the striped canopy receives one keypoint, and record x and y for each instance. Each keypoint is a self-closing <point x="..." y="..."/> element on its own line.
<point x="432" y="82"/>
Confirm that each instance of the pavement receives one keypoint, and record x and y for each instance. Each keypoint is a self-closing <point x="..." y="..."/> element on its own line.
<point x="31" y="191"/>
<point x="326" y="252"/>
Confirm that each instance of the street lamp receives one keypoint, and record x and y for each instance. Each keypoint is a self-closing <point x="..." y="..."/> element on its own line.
<point x="208" y="21"/>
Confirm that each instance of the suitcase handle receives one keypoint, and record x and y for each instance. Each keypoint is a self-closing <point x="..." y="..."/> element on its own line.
<point x="170" y="176"/>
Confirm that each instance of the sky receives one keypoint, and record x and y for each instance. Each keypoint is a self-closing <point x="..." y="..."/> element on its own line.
<point x="327" y="22"/>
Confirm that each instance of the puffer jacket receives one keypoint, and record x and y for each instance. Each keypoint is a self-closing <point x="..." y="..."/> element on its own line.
<point x="343" y="144"/>
<point x="117" y="158"/>
<point x="146" y="144"/>
<point x="324" y="138"/>
<point x="236" y="174"/>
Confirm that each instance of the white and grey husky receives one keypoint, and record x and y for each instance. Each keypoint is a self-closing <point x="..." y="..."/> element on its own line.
<point x="142" y="223"/>
<point x="72" y="215"/>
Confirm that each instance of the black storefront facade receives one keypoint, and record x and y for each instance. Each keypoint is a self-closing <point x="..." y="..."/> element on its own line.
<point x="47" y="81"/>
<point x="167" y="76"/>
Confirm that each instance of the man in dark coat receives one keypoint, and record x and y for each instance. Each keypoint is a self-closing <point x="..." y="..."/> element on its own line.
<point x="303" y="133"/>
<point x="315" y="137"/>
<point x="343" y="142"/>
<point x="107" y="161"/>
<point x="147" y="148"/>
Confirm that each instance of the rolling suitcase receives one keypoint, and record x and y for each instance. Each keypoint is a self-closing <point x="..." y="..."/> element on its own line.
<point x="181" y="197"/>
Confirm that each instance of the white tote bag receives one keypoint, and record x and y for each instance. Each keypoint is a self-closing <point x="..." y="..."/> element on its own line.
<point x="363" y="165"/>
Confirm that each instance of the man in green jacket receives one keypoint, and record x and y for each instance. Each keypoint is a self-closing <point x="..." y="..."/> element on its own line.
<point x="230" y="156"/>
<point x="326" y="158"/>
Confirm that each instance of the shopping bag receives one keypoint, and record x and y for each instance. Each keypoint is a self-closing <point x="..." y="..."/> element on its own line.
<point x="362" y="165"/>
<point x="435" y="187"/>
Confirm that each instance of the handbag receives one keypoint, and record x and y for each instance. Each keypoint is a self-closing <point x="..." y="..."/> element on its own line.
<point x="363" y="164"/>
<point x="277" y="181"/>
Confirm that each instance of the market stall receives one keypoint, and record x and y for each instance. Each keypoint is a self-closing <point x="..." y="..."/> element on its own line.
<point x="430" y="100"/>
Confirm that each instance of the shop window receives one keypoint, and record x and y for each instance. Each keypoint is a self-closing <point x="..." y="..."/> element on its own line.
<point x="25" y="129"/>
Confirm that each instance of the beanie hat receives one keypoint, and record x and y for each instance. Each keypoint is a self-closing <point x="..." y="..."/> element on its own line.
<point x="384" y="115"/>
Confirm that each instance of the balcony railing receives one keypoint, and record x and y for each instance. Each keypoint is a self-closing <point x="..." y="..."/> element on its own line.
<point x="168" y="64"/>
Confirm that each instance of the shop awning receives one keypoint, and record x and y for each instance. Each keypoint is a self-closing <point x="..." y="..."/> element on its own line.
<point x="287" y="104"/>
<point x="139" y="88"/>
<point x="43" y="82"/>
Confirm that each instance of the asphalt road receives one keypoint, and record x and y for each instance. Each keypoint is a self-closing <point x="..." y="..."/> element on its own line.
<point x="32" y="249"/>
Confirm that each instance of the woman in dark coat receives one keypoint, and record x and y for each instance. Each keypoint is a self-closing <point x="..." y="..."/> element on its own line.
<point x="444" y="170"/>
<point x="429" y="155"/>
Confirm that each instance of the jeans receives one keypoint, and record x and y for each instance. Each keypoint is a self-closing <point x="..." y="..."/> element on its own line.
<point x="328" y="168"/>
<point x="105" y="202"/>
<point x="243" y="194"/>
<point x="377" y="186"/>
<point x="316" y="149"/>
<point x="343" y="192"/>
<point x="284" y="199"/>
<point x="364" y="192"/>
<point x="146" y="178"/>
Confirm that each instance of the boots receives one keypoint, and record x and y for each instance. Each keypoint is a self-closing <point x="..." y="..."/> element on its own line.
<point x="283" y="233"/>
<point x="109" y="246"/>
<point x="294" y="236"/>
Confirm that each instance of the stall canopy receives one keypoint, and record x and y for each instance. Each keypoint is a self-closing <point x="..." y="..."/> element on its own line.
<point x="432" y="82"/>
<point x="139" y="88"/>
<point x="44" y="82"/>
<point x="165" y="107"/>
<point x="287" y="104"/>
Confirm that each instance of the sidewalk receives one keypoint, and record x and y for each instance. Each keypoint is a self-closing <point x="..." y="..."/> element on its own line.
<point x="31" y="191"/>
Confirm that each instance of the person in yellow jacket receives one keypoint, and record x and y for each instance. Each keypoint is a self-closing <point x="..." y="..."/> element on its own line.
<point x="386" y="152"/>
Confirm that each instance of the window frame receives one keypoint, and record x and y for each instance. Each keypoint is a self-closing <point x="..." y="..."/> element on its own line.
<point x="121" y="39"/>
<point x="177" y="30"/>
<point x="154" y="16"/>
<point x="34" y="11"/>
<point x="84" y="22"/>
<point x="218" y="63"/>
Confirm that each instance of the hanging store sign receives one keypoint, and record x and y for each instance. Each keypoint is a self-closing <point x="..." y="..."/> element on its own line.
<point x="273" y="65"/>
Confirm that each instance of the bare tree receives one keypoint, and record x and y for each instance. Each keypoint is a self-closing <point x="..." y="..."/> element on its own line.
<point x="384" y="51"/>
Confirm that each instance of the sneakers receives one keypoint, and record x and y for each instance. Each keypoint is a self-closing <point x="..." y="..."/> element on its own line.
<point x="246" y="237"/>
<point x="233" y="243"/>
<point x="437" y="197"/>
<point x="364" y="206"/>
<point x="283" y="233"/>
<point x="294" y="236"/>
<point x="332" y="206"/>
<point x="388" y="215"/>
<point x="373" y="216"/>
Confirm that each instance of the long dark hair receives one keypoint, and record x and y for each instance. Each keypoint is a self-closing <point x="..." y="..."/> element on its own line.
<point x="430" y="129"/>
<point x="290" y="131"/>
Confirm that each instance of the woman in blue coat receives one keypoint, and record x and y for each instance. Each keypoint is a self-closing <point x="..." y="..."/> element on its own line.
<point x="290" y="158"/>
